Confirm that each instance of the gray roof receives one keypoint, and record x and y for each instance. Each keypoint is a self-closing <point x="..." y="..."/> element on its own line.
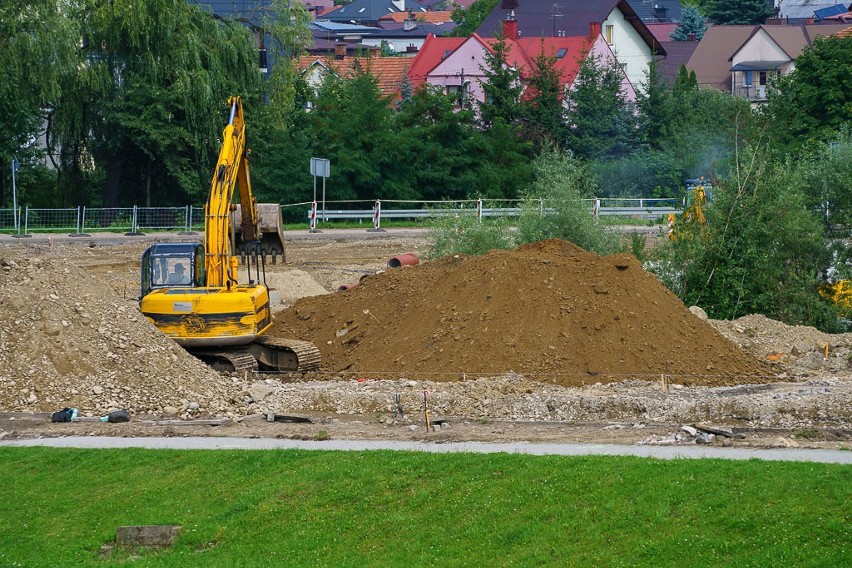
<point x="371" y="10"/>
<point x="536" y="19"/>
<point x="804" y="8"/>
<point x="657" y="10"/>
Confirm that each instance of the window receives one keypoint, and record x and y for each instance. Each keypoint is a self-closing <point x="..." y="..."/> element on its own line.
<point x="762" y="77"/>
<point x="747" y="78"/>
<point x="608" y="33"/>
<point x="561" y="53"/>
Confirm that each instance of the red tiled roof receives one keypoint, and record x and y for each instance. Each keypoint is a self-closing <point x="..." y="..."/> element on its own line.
<point x="389" y="71"/>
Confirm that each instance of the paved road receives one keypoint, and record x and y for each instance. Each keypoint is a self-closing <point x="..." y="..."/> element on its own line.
<point x="659" y="452"/>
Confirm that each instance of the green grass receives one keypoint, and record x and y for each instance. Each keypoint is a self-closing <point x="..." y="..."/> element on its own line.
<point x="302" y="508"/>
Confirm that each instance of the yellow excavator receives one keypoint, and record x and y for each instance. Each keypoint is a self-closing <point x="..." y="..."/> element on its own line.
<point x="698" y="194"/>
<point x="191" y="291"/>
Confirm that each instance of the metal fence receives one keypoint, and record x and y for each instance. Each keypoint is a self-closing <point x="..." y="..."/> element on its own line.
<point x="82" y="221"/>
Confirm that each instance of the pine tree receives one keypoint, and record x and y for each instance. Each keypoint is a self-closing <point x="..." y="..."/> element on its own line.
<point x="692" y="22"/>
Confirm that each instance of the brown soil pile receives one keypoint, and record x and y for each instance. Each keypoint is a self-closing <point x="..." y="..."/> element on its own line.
<point x="68" y="339"/>
<point x="547" y="310"/>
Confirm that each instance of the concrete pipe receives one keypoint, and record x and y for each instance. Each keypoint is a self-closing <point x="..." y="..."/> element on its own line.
<point x="348" y="286"/>
<point x="407" y="259"/>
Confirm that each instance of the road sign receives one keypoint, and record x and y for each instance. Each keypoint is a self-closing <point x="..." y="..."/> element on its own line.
<point x="320" y="167"/>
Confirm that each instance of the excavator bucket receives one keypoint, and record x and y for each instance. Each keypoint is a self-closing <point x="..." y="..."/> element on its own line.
<point x="271" y="231"/>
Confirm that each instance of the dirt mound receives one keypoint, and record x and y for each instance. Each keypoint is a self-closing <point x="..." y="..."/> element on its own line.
<point x="797" y="348"/>
<point x="68" y="339"/>
<point x="547" y="310"/>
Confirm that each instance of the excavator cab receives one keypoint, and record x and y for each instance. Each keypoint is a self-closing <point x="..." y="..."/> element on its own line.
<point x="173" y="265"/>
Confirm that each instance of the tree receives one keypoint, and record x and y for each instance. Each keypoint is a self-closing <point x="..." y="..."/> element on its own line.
<point x="351" y="122"/>
<point x="541" y="109"/>
<point x="691" y="23"/>
<point x="470" y="19"/>
<point x="434" y="138"/>
<point x="287" y="24"/>
<point x="146" y="109"/>
<point x="822" y="172"/>
<point x="655" y="107"/>
<point x="38" y="47"/>
<point x="564" y="187"/>
<point x="815" y="100"/>
<point x="761" y="251"/>
<point x="738" y="12"/>
<point x="501" y="85"/>
<point x="600" y="120"/>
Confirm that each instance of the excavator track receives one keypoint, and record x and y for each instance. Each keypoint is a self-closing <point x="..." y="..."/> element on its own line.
<point x="288" y="355"/>
<point x="228" y="361"/>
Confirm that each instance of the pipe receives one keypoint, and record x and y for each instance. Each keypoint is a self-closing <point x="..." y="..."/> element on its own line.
<point x="344" y="287"/>
<point x="407" y="259"/>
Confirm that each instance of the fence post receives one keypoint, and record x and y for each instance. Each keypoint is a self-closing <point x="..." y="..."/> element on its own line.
<point x="541" y="206"/>
<point x="81" y="220"/>
<point x="18" y="235"/>
<point x="597" y="207"/>
<point x="479" y="210"/>
<point x="134" y="223"/>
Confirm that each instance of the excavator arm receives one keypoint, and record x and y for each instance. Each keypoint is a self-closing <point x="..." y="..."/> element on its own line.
<point x="232" y="171"/>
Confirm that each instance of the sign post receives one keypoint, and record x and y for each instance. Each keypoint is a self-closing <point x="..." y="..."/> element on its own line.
<point x="320" y="167"/>
<point x="15" y="220"/>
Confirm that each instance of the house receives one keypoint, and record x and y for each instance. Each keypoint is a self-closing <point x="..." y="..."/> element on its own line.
<point x="403" y="37"/>
<point x="456" y="65"/>
<point x="627" y="36"/>
<point x="388" y="71"/>
<point x="406" y="37"/>
<point x="743" y="59"/>
<point x="369" y="12"/>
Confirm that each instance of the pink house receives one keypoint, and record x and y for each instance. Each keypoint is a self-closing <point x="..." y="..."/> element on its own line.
<point x="456" y="64"/>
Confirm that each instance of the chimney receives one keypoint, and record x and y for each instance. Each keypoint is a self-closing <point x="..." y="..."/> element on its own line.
<point x="660" y="12"/>
<point x="410" y="48"/>
<point x="409" y="23"/>
<point x="339" y="50"/>
<point x="690" y="36"/>
<point x="594" y="31"/>
<point x="510" y="26"/>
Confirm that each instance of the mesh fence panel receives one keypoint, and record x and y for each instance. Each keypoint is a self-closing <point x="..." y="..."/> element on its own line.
<point x="108" y="219"/>
<point x="162" y="218"/>
<point x="51" y="219"/>
<point x="7" y="220"/>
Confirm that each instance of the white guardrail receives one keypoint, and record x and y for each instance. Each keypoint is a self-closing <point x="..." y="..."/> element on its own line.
<point x="81" y="221"/>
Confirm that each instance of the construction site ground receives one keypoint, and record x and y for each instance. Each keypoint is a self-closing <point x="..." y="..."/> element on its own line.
<point x="545" y="344"/>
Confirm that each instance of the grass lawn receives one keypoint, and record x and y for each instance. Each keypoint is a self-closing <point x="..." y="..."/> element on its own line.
<point x="383" y="508"/>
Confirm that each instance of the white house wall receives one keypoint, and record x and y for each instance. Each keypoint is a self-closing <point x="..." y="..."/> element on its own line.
<point x="631" y="50"/>
<point x="761" y="47"/>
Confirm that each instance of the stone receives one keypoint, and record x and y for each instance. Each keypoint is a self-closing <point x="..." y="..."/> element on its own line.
<point x="698" y="312"/>
<point x="148" y="536"/>
<point x="97" y="390"/>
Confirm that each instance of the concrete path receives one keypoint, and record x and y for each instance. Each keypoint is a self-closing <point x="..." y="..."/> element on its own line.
<point x="659" y="452"/>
